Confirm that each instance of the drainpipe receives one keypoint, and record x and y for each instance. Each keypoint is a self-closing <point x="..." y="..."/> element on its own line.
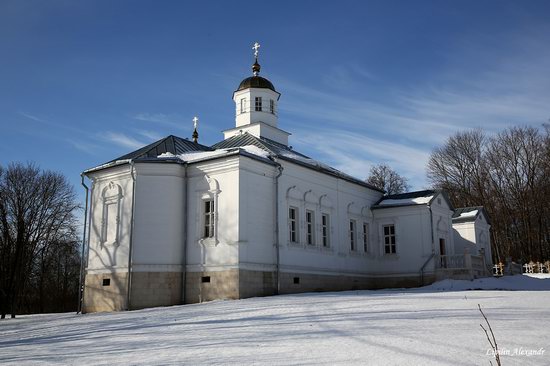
<point x="433" y="246"/>
<point x="130" y="245"/>
<point x="277" y="266"/>
<point x="80" y="280"/>
<point x="185" y="218"/>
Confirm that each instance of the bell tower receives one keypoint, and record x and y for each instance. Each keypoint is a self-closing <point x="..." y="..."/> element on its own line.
<point x="256" y="106"/>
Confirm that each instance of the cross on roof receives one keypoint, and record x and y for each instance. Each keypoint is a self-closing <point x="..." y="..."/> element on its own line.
<point x="195" y="121"/>
<point x="256" y="47"/>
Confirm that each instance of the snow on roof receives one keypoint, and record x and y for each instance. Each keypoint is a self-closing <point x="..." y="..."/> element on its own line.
<point x="255" y="150"/>
<point x="468" y="214"/>
<point x="406" y="201"/>
<point x="192" y="157"/>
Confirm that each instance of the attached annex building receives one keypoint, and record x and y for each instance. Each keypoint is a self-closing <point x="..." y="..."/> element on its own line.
<point x="179" y="222"/>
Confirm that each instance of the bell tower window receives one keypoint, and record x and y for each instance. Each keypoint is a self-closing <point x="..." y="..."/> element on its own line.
<point x="243" y="105"/>
<point x="258" y="104"/>
<point x="272" y="106"/>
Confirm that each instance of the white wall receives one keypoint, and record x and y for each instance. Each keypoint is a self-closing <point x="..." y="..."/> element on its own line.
<point x="217" y="179"/>
<point x="465" y="237"/>
<point x="112" y="254"/>
<point x="414" y="236"/>
<point x="474" y="236"/>
<point x="250" y="115"/>
<point x="159" y="217"/>
<point x="256" y="215"/>
<point x="304" y="189"/>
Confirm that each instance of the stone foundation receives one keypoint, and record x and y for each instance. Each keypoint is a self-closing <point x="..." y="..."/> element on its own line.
<point x="303" y="282"/>
<point x="241" y="284"/>
<point x="256" y="283"/>
<point x="100" y="297"/>
<point x="207" y="286"/>
<point x="151" y="289"/>
<point x="400" y="282"/>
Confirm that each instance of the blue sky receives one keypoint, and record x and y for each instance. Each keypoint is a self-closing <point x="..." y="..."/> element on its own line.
<point x="362" y="82"/>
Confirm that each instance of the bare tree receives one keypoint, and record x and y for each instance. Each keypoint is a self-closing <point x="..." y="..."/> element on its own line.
<point x="37" y="218"/>
<point x="459" y="167"/>
<point x="383" y="177"/>
<point x="508" y="174"/>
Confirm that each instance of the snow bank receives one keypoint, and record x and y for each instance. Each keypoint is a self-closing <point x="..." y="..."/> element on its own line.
<point x="400" y="327"/>
<point x="516" y="283"/>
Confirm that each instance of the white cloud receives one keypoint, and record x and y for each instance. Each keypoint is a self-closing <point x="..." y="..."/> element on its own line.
<point x="513" y="88"/>
<point x="355" y="154"/>
<point x="150" y="135"/>
<point x="165" y="119"/>
<point x="122" y="140"/>
<point x="31" y="117"/>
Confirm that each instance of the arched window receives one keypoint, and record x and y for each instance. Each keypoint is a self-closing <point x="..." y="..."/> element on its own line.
<point x="208" y="212"/>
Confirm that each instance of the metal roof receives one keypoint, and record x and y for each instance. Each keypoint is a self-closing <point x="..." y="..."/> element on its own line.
<point x="283" y="152"/>
<point x="256" y="82"/>
<point x="172" y="144"/>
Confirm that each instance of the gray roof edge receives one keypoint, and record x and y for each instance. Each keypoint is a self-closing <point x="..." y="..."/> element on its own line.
<point x="176" y="160"/>
<point x="377" y="207"/>
<point x="341" y="176"/>
<point x="106" y="166"/>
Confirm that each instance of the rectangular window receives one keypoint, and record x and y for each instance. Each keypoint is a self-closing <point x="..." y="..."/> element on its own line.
<point x="325" y="230"/>
<point x="352" y="235"/>
<point x="272" y="106"/>
<point x="310" y="223"/>
<point x="259" y="104"/>
<point x="208" y="219"/>
<point x="243" y="105"/>
<point x="389" y="239"/>
<point x="365" y="237"/>
<point x="293" y="224"/>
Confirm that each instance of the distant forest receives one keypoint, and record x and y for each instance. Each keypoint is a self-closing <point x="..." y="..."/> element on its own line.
<point x="507" y="173"/>
<point x="39" y="241"/>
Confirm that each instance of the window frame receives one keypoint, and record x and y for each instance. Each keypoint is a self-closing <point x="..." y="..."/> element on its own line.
<point x="258" y="104"/>
<point x="272" y="106"/>
<point x="210" y="192"/>
<point x="390" y="239"/>
<point x="325" y="230"/>
<point x="293" y="230"/>
<point x="310" y="227"/>
<point x="208" y="218"/>
<point x="352" y="235"/>
<point x="366" y="241"/>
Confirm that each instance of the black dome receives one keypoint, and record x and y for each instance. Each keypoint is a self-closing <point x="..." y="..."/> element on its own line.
<point x="256" y="82"/>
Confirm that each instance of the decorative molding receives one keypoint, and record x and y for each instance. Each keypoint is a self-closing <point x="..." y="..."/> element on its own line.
<point x="111" y="197"/>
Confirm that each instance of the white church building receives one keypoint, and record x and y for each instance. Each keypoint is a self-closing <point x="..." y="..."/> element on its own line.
<point x="178" y="222"/>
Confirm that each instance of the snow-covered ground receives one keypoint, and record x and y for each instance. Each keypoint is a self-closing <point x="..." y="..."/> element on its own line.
<point x="436" y="325"/>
